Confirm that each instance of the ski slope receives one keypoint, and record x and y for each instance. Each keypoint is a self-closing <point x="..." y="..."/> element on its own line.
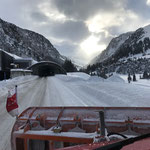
<point x="74" y="89"/>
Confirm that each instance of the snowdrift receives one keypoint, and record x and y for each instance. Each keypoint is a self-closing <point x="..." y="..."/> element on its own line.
<point x="115" y="78"/>
<point x="95" y="79"/>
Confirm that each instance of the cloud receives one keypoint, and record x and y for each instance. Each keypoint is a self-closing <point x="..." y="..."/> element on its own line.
<point x="38" y="16"/>
<point x="11" y="11"/>
<point x="74" y="31"/>
<point x="140" y="7"/>
<point x="49" y="21"/>
<point x="107" y="20"/>
<point x="78" y="28"/>
<point x="69" y="48"/>
<point x="83" y="9"/>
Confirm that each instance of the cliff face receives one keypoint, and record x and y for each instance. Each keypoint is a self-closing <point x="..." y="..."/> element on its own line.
<point x="27" y="43"/>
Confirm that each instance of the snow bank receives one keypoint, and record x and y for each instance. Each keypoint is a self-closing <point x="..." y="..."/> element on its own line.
<point x="79" y="75"/>
<point x="95" y="79"/>
<point x="115" y="78"/>
<point x="6" y="85"/>
<point x="74" y="77"/>
<point x="67" y="78"/>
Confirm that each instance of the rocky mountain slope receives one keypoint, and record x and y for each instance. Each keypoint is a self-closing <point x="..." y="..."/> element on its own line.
<point x="114" y="44"/>
<point x="127" y="53"/>
<point x="126" y="45"/>
<point x="27" y="43"/>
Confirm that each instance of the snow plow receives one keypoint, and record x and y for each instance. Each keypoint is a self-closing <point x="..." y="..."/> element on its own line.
<point x="66" y="128"/>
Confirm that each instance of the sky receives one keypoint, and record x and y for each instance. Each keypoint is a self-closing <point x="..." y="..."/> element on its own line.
<point x="79" y="29"/>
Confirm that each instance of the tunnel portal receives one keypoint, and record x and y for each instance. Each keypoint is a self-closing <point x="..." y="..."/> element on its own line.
<point x="46" y="68"/>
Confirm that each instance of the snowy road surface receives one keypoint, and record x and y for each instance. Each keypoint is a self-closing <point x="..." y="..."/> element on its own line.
<point x="72" y="90"/>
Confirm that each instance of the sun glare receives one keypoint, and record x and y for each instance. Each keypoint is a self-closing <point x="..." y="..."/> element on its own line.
<point x="148" y="2"/>
<point x="99" y="22"/>
<point x="90" y="46"/>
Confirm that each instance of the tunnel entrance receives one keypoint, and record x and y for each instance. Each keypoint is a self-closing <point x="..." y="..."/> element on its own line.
<point x="46" y="71"/>
<point x="46" y="68"/>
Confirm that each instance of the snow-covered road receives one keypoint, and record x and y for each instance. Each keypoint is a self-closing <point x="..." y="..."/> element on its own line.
<point x="71" y="90"/>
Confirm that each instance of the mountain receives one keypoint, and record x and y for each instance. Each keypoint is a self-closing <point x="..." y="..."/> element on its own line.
<point x="26" y="43"/>
<point x="129" y="52"/>
<point x="125" y="45"/>
<point x="114" y="44"/>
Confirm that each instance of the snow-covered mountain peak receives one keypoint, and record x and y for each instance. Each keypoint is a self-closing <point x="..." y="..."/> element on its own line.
<point x="147" y="30"/>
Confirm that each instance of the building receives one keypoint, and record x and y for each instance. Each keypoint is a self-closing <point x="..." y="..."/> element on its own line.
<point x="23" y="63"/>
<point x="5" y="65"/>
<point x="9" y="61"/>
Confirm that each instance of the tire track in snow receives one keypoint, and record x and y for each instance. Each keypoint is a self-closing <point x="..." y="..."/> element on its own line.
<point x="46" y="99"/>
<point x="102" y="97"/>
<point x="61" y="95"/>
<point x="93" y="96"/>
<point x="84" y="96"/>
<point x="34" y="95"/>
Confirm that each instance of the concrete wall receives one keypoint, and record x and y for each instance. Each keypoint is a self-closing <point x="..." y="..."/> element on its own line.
<point x="20" y="72"/>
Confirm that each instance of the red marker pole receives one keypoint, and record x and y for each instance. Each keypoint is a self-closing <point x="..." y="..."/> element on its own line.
<point x="16" y="98"/>
<point x="16" y="93"/>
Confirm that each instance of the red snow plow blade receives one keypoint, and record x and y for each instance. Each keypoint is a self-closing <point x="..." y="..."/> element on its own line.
<point x="46" y="128"/>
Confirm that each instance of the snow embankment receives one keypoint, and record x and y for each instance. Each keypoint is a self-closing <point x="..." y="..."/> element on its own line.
<point x="79" y="75"/>
<point x="95" y="79"/>
<point x="115" y="78"/>
<point x="74" y="77"/>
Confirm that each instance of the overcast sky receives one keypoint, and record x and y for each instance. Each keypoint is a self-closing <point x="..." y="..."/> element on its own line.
<point x="79" y="29"/>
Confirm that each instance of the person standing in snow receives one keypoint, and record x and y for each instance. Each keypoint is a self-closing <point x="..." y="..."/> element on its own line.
<point x="129" y="78"/>
<point x="134" y="77"/>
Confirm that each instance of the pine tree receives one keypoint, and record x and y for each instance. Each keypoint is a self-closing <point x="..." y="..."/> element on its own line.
<point x="69" y="66"/>
<point x="145" y="75"/>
